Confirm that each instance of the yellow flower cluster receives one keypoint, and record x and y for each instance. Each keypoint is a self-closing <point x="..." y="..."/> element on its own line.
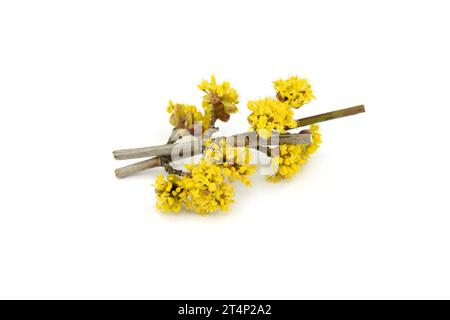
<point x="184" y="116"/>
<point x="220" y="100"/>
<point x="207" y="189"/>
<point x="170" y="193"/>
<point x="316" y="141"/>
<point x="202" y="190"/>
<point x="234" y="162"/>
<point x="294" y="91"/>
<point x="270" y="115"/>
<point x="292" y="157"/>
<point x="241" y="173"/>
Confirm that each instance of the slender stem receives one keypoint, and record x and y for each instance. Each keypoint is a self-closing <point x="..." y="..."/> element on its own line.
<point x="301" y="138"/>
<point x="166" y="150"/>
<point x="152" y="163"/>
<point x="171" y="170"/>
<point x="173" y="136"/>
<point x="136" y="167"/>
<point x="164" y="161"/>
<point x="330" y="115"/>
<point x="143" y="152"/>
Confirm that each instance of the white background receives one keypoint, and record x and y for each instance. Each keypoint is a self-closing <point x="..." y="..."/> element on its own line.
<point x="367" y="218"/>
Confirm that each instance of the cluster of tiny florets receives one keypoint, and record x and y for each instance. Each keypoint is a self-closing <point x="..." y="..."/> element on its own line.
<point x="270" y="115"/>
<point x="185" y="116"/>
<point x="234" y="161"/>
<point x="316" y="140"/>
<point x="170" y="193"/>
<point x="294" y="91"/>
<point x="276" y="114"/>
<point x="220" y="100"/>
<point x="208" y="191"/>
<point x="203" y="190"/>
<point x="292" y="157"/>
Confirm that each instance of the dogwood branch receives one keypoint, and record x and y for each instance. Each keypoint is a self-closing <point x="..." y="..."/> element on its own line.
<point x="167" y="149"/>
<point x="194" y="148"/>
<point x="163" y="152"/>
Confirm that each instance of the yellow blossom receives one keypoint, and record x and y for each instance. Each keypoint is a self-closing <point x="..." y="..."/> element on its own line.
<point x="270" y="115"/>
<point x="234" y="161"/>
<point x="289" y="161"/>
<point x="207" y="189"/>
<point x="184" y="116"/>
<point x="170" y="193"/>
<point x="294" y="91"/>
<point x="241" y="173"/>
<point x="316" y="141"/>
<point x="292" y="157"/>
<point x="220" y="100"/>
